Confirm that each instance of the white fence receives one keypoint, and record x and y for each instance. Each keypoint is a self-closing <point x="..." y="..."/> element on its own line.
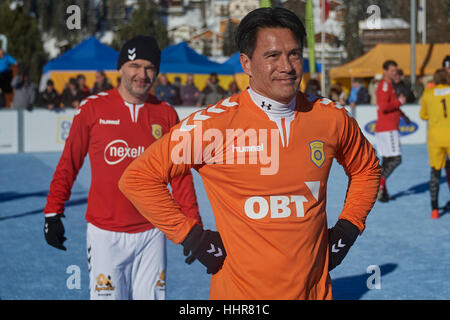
<point x="414" y="133"/>
<point x="9" y="131"/>
<point x="45" y="131"/>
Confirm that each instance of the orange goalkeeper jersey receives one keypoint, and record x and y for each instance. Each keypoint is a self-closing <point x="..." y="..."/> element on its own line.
<point x="267" y="185"/>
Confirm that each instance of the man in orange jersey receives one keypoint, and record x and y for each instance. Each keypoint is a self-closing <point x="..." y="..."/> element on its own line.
<point x="264" y="156"/>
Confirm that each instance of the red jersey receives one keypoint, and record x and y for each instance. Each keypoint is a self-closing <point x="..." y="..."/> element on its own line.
<point x="114" y="133"/>
<point x="267" y="184"/>
<point x="388" y="111"/>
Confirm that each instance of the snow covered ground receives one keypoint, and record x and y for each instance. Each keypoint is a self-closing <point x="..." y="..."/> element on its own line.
<point x="403" y="253"/>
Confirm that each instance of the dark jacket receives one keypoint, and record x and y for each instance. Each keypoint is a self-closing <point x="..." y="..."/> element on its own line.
<point x="402" y="88"/>
<point x="166" y="93"/>
<point x="211" y="94"/>
<point x="101" y="88"/>
<point x="68" y="97"/>
<point x="189" y="95"/>
<point x="45" y="98"/>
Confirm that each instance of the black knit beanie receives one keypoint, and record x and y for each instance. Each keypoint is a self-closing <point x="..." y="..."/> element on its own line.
<point x="140" y="47"/>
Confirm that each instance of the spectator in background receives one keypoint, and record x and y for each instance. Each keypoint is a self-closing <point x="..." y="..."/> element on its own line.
<point x="233" y="88"/>
<point x="84" y="89"/>
<point x="189" y="92"/>
<point x="164" y="91"/>
<point x="71" y="96"/>
<point x="337" y="94"/>
<point x="24" y="90"/>
<point x="212" y="92"/>
<point x="403" y="87"/>
<point x="358" y="94"/>
<point x="101" y="83"/>
<point x="372" y="89"/>
<point x="446" y="64"/>
<point x="49" y="98"/>
<point x="419" y="87"/>
<point x="2" y="99"/>
<point x="313" y="88"/>
<point x="6" y="61"/>
<point x="177" y="86"/>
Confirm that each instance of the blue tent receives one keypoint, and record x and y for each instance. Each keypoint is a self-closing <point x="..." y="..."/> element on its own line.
<point x="90" y="54"/>
<point x="180" y="58"/>
<point x="235" y="62"/>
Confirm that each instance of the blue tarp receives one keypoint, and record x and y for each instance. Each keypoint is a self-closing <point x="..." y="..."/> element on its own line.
<point x="235" y="62"/>
<point x="90" y="54"/>
<point x="180" y="58"/>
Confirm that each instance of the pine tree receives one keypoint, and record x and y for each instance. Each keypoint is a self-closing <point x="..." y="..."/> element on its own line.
<point x="59" y="18"/>
<point x="24" y="41"/>
<point x="438" y="20"/>
<point x="229" y="43"/>
<point x="144" y="20"/>
<point x="352" y="41"/>
<point x="115" y="13"/>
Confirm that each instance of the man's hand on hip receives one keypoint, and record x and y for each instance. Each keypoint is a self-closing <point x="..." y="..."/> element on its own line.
<point x="340" y="238"/>
<point x="206" y="246"/>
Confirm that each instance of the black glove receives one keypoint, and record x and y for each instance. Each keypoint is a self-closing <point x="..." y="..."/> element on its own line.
<point x="206" y="246"/>
<point x="54" y="231"/>
<point x="190" y="258"/>
<point x="340" y="238"/>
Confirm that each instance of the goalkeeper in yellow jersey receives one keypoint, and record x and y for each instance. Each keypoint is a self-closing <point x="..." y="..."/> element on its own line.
<point x="435" y="108"/>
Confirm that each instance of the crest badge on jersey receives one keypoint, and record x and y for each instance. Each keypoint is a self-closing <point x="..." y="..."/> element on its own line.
<point x="104" y="283"/>
<point x="161" y="283"/>
<point x="317" y="152"/>
<point x="157" y="131"/>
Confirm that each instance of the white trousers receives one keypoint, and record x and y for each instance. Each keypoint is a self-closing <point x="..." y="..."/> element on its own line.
<point x="125" y="266"/>
<point x="388" y="143"/>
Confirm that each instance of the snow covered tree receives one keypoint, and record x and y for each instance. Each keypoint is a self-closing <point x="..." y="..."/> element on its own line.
<point x="24" y="41"/>
<point x="144" y="20"/>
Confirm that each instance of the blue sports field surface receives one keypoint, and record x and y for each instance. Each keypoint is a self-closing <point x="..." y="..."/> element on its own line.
<point x="403" y="253"/>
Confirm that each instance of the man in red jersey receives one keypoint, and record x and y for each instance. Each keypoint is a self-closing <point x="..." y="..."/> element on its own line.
<point x="126" y="253"/>
<point x="386" y="128"/>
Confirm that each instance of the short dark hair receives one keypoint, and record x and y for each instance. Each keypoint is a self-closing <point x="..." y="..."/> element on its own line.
<point x="73" y="82"/>
<point x="441" y="77"/>
<point x="446" y="62"/>
<point x="267" y="18"/>
<point x="389" y="63"/>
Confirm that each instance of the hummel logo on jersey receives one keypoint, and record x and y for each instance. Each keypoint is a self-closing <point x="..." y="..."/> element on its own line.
<point x="248" y="148"/>
<point x="132" y="54"/>
<point x="113" y="122"/>
<point x="263" y="105"/>
<point x="118" y="150"/>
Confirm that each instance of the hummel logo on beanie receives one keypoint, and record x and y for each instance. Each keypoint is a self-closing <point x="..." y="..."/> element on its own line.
<point x="140" y="47"/>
